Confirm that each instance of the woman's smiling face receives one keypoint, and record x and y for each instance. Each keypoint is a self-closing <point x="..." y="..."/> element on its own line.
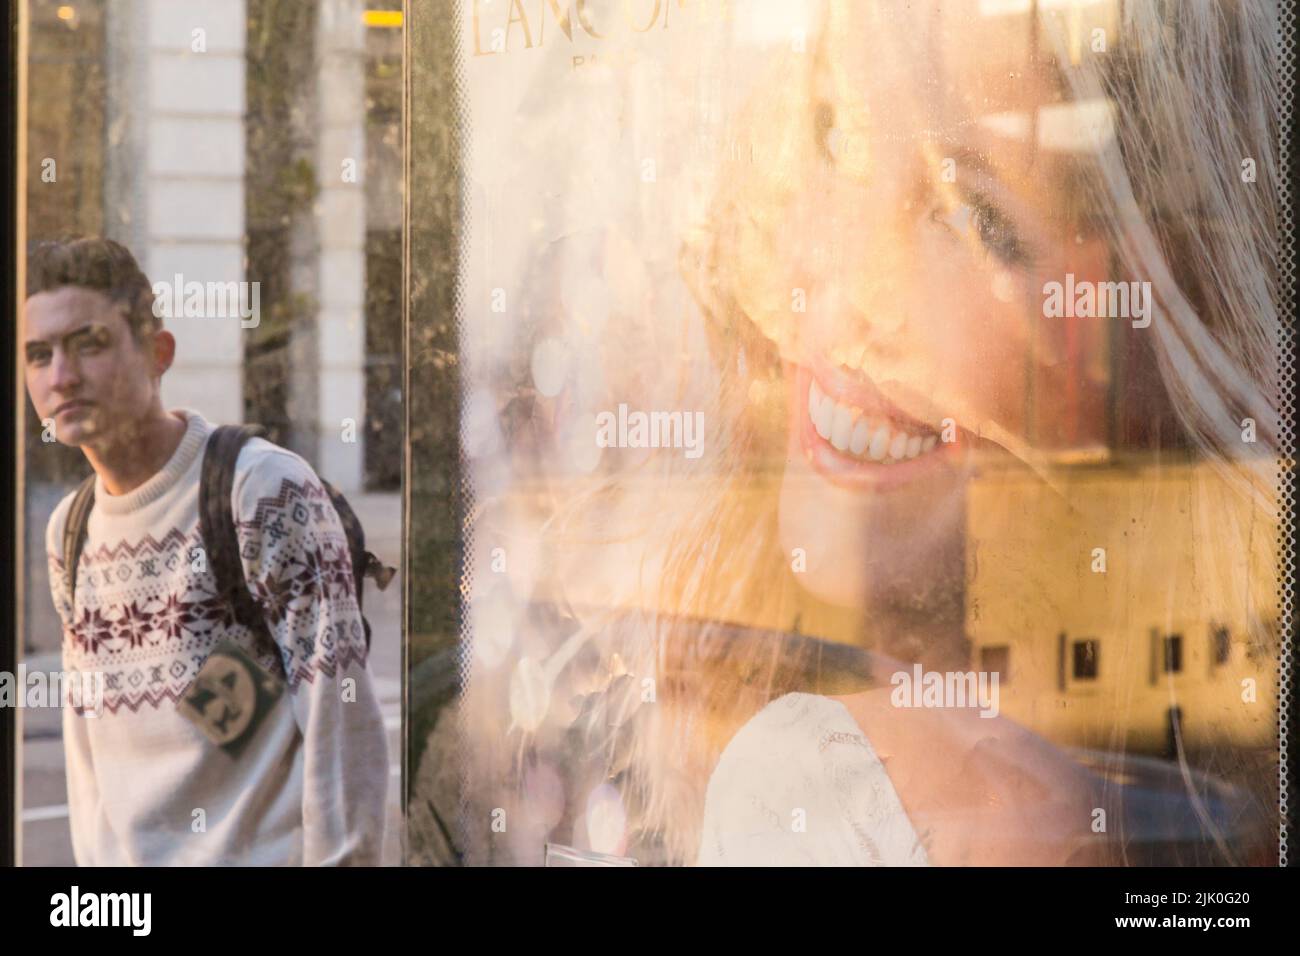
<point x="927" y="217"/>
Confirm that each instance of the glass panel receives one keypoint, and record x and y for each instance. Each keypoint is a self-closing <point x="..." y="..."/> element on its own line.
<point x="803" y="356"/>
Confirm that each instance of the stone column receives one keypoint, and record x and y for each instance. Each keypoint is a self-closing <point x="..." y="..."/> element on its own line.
<point x="340" y="219"/>
<point x="189" y="150"/>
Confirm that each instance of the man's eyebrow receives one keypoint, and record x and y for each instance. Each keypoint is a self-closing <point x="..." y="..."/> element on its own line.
<point x="67" y="335"/>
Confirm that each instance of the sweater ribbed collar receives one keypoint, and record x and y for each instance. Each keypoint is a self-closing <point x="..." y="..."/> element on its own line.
<point x="191" y="445"/>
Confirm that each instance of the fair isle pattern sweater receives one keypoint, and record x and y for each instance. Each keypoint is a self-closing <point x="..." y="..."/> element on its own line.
<point x="309" y="787"/>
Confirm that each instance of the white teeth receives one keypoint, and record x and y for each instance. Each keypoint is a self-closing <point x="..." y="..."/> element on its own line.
<point x="861" y="435"/>
<point x="842" y="427"/>
<point x="822" y="414"/>
<point x="879" y="443"/>
<point x="847" y="429"/>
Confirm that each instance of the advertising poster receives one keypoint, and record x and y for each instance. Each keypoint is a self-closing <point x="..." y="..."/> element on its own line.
<point x="869" y="423"/>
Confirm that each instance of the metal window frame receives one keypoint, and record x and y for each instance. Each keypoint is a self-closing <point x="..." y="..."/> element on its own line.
<point x="10" y="213"/>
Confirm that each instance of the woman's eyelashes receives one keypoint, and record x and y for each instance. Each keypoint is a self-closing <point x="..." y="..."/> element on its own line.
<point x="978" y="216"/>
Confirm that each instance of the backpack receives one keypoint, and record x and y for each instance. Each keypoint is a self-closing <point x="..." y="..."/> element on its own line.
<point x="217" y="529"/>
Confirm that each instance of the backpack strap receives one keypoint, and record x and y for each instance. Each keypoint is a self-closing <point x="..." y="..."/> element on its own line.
<point x="221" y="538"/>
<point x="74" y="534"/>
<point x="365" y="564"/>
<point x="217" y="519"/>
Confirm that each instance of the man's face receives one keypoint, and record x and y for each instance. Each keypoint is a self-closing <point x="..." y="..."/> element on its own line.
<point x="84" y="368"/>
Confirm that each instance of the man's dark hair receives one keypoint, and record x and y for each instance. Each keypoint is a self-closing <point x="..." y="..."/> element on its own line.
<point x="99" y="264"/>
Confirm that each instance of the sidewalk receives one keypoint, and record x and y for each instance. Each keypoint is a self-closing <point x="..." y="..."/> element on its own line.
<point x="45" y="837"/>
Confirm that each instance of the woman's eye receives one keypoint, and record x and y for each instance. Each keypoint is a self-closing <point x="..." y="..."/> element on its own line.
<point x="992" y="229"/>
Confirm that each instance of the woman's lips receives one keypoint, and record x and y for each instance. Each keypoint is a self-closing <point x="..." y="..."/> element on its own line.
<point x="855" y="437"/>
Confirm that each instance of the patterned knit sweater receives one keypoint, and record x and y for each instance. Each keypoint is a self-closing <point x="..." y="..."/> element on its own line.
<point x="146" y="786"/>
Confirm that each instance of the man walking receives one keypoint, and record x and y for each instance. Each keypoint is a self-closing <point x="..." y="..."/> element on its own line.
<point x="217" y="743"/>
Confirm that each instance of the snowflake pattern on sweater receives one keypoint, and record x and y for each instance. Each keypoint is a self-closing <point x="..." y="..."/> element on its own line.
<point x="148" y="611"/>
<point x="311" y="786"/>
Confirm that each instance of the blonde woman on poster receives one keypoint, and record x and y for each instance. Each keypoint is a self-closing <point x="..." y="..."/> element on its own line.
<point x="927" y="290"/>
<point x="950" y="243"/>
